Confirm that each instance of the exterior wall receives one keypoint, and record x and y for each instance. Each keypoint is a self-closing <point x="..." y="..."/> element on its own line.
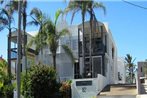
<point x="111" y="57"/>
<point x="121" y="70"/>
<point x="65" y="67"/>
<point x="30" y="56"/>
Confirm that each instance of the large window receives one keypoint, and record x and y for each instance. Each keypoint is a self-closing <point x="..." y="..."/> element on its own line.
<point x="74" y="44"/>
<point x="97" y="65"/>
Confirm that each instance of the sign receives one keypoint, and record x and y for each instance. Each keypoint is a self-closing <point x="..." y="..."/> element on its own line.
<point x="84" y="83"/>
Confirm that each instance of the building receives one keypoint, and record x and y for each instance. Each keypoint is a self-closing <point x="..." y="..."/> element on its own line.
<point x="104" y="53"/>
<point x="31" y="54"/>
<point x="121" y="65"/>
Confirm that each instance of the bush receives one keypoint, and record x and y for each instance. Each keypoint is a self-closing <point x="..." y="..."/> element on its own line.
<point x="65" y="89"/>
<point x="41" y="81"/>
<point x="6" y="88"/>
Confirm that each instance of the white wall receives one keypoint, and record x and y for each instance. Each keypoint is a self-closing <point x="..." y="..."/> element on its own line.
<point x="90" y="90"/>
<point x="121" y="69"/>
<point x="112" y="62"/>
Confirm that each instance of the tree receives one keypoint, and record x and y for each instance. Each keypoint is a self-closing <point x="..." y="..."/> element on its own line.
<point x="14" y="6"/>
<point x="48" y="34"/>
<point x="41" y="81"/>
<point x="130" y="66"/>
<point x="92" y="5"/>
<point x="85" y="6"/>
<point x="38" y="19"/>
<point x="6" y="20"/>
<point x="53" y="37"/>
<point x="75" y="6"/>
<point x="6" y="89"/>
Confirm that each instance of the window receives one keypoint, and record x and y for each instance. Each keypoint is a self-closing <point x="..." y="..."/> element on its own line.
<point x="97" y="65"/>
<point x="74" y="44"/>
<point x="105" y="43"/>
<point x="112" y="53"/>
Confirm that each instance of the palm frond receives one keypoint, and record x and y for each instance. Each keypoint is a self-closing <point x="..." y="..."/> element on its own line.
<point x="57" y="14"/>
<point x="69" y="52"/>
<point x="12" y="6"/>
<point x="3" y="21"/>
<point x="4" y="12"/>
<point x="37" y="13"/>
<point x="35" y="23"/>
<point x="1" y="28"/>
<point x="99" y="5"/>
<point x="71" y="7"/>
<point x="62" y="33"/>
<point x="1" y="1"/>
<point x="73" y="14"/>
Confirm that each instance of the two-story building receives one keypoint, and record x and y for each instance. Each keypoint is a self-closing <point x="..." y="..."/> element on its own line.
<point x="104" y="52"/>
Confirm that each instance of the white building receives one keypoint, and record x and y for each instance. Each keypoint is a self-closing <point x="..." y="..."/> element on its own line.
<point x="121" y="65"/>
<point x="104" y="53"/>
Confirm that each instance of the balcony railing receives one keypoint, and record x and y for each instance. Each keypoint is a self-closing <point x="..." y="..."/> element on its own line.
<point x="97" y="47"/>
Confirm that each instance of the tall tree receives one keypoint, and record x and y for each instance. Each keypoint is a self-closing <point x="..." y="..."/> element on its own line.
<point x="48" y="34"/>
<point x="53" y="37"/>
<point x="38" y="19"/>
<point x="75" y="6"/>
<point x="14" y="6"/>
<point x="93" y="5"/>
<point x="6" y="20"/>
<point x="130" y="64"/>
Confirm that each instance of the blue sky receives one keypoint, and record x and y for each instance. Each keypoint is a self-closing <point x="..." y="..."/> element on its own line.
<point x="127" y="23"/>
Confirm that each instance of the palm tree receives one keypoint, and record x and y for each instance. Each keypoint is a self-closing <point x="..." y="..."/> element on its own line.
<point x="6" y="20"/>
<point x="130" y="65"/>
<point x="93" y="5"/>
<point x="14" y="6"/>
<point x="38" y="19"/>
<point x="53" y="37"/>
<point x="48" y="34"/>
<point x="75" y="6"/>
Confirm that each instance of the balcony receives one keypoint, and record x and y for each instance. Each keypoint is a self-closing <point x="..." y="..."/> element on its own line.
<point x="97" y="47"/>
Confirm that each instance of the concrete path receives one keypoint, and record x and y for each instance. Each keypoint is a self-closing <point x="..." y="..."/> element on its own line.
<point x="120" y="89"/>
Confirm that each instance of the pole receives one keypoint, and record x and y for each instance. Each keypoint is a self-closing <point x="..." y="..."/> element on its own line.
<point x="19" y="50"/>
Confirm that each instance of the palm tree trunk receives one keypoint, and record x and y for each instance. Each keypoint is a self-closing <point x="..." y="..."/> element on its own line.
<point x="83" y="46"/>
<point x="9" y="53"/>
<point x="25" y="42"/>
<point x="54" y="60"/>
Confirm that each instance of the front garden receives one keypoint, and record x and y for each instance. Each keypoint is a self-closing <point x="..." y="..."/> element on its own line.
<point x="38" y="82"/>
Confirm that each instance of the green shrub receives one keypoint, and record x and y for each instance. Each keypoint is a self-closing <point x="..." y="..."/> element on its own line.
<point x="41" y="81"/>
